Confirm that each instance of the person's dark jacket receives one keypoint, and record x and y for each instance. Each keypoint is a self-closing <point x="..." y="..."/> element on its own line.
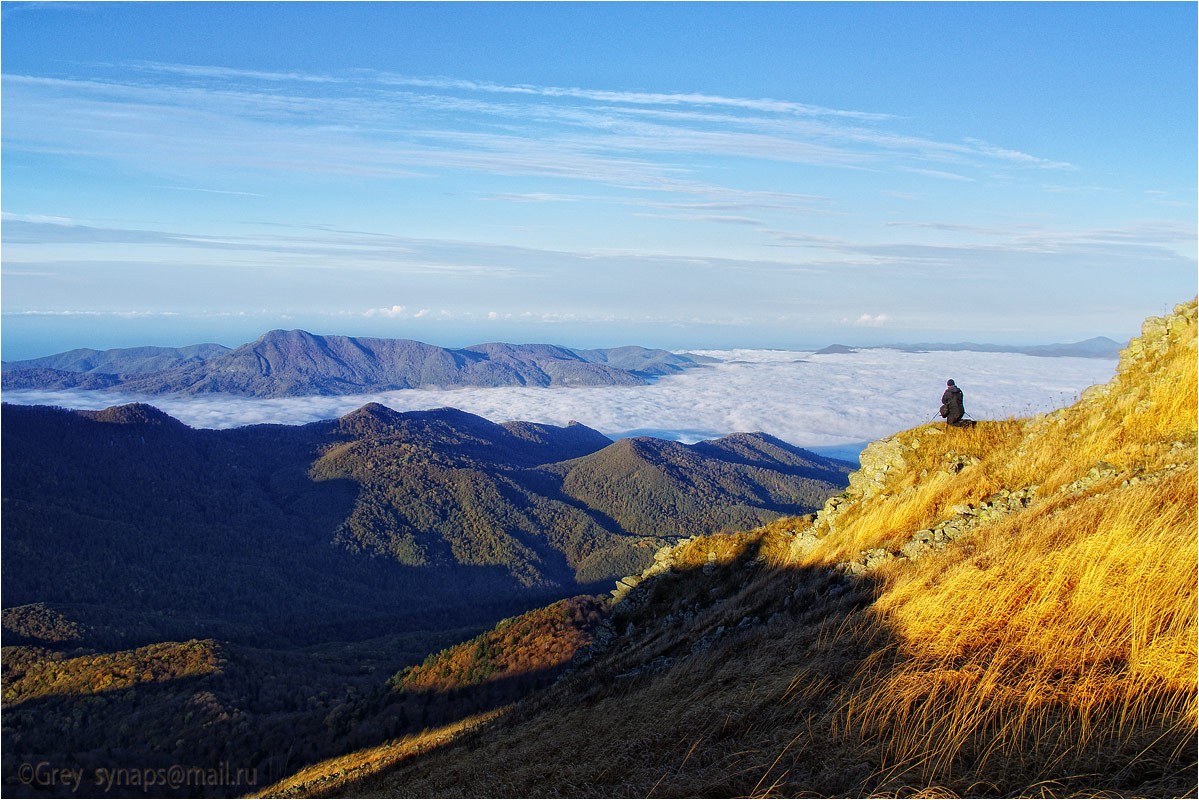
<point x="954" y="406"/>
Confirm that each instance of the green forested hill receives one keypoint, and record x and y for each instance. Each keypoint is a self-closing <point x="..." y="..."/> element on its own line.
<point x="286" y="532"/>
<point x="651" y="486"/>
<point x="378" y="521"/>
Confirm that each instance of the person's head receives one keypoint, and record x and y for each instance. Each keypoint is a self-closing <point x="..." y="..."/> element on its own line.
<point x="950" y="382"/>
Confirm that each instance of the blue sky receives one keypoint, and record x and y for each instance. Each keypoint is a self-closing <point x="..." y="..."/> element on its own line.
<point x="673" y="174"/>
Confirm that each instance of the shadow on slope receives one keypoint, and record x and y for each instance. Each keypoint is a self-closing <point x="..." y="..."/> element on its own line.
<point x="740" y="674"/>
<point x="209" y="707"/>
<point x="664" y="683"/>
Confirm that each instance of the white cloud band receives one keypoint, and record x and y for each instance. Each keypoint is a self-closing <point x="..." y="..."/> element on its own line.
<point x="808" y="400"/>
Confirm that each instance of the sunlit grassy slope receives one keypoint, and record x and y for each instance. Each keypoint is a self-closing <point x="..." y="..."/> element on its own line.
<point x="1003" y="610"/>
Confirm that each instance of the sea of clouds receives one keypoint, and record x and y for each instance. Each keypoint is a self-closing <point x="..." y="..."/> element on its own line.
<point x="832" y="403"/>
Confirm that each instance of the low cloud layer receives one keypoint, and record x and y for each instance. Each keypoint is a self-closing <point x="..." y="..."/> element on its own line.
<point x="808" y="400"/>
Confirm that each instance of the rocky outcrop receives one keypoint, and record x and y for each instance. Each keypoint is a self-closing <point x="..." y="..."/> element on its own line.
<point x="664" y="562"/>
<point x="1158" y="334"/>
<point x="926" y="541"/>
<point x="881" y="462"/>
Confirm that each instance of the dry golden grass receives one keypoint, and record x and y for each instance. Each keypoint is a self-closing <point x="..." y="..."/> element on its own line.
<point x="1066" y="637"/>
<point x="334" y="775"/>
<point x="1061" y="638"/>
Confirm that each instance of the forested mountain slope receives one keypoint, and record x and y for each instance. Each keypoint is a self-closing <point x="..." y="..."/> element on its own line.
<point x="289" y="531"/>
<point x="1002" y="610"/>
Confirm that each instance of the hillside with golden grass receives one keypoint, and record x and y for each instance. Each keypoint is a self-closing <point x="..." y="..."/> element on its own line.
<point x="534" y="643"/>
<point x="1008" y="609"/>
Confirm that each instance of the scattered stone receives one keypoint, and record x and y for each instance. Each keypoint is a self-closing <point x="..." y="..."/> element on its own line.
<point x="876" y="558"/>
<point x="600" y="640"/>
<point x="804" y="543"/>
<point x="707" y="641"/>
<point x="1100" y="472"/>
<point x="955" y="463"/>
<point x="659" y="664"/>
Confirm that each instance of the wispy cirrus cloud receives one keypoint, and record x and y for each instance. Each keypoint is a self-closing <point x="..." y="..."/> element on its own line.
<point x="131" y="314"/>
<point x="603" y="105"/>
<point x="588" y="200"/>
<point x="211" y="191"/>
<point x="935" y="173"/>
<point x="631" y="97"/>
<point x="211" y="71"/>
<point x="324" y="249"/>
<point x="533" y="197"/>
<point x="720" y="219"/>
<point x="236" y="118"/>
<point x="1025" y="237"/>
<point x="286" y="267"/>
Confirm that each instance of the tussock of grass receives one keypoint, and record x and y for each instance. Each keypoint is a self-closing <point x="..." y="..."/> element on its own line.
<point x="1065" y="639"/>
<point x="1061" y="640"/>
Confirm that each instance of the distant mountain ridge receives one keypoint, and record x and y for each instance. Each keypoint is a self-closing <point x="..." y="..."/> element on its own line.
<point x="124" y="360"/>
<point x="296" y="363"/>
<point x="1096" y="347"/>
